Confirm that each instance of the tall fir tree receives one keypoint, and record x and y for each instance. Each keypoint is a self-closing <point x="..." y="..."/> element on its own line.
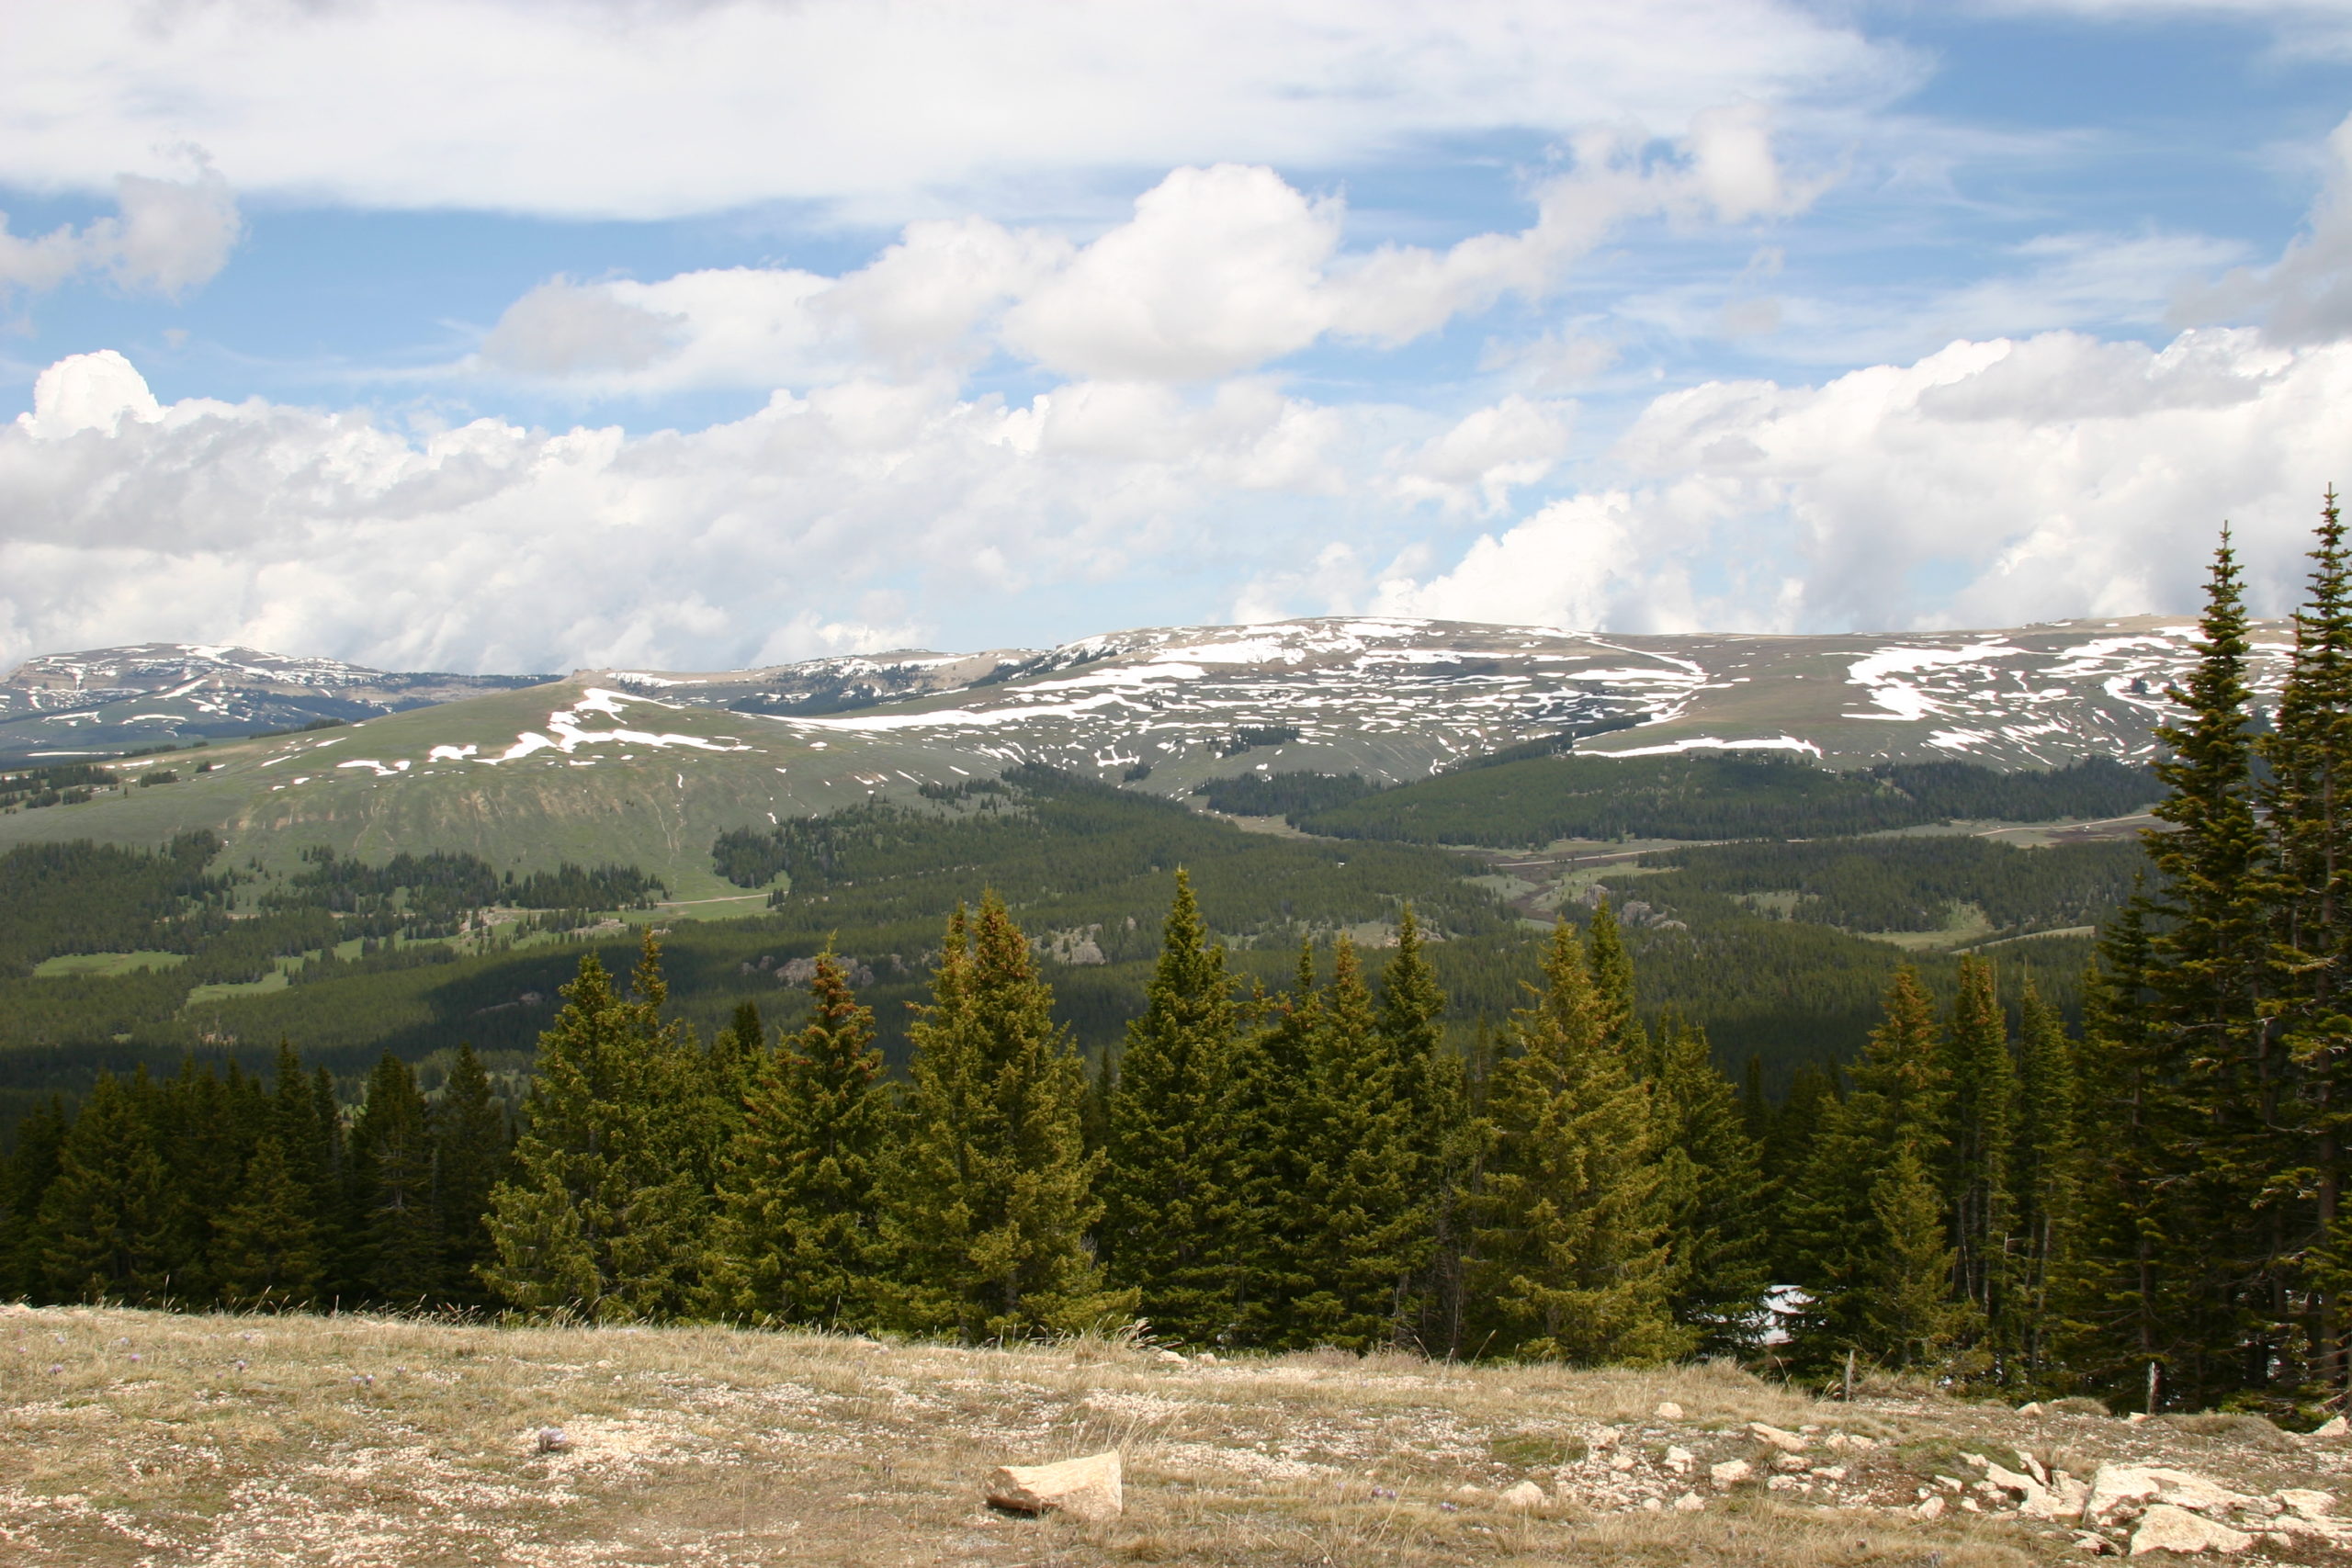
<point x="1978" y="1134"/>
<point x="1270" y="1106"/>
<point x="1435" y="1089"/>
<point x="605" y="1215"/>
<point x="25" y="1177"/>
<point x="2048" y="1166"/>
<point x="266" y="1240"/>
<point x="397" y="1233"/>
<point x="471" y="1142"/>
<point x="1570" y="1259"/>
<point x="1909" y="1314"/>
<point x="988" y="1201"/>
<point x="1168" y="1202"/>
<point x="105" y="1224"/>
<point x="1712" y="1186"/>
<point x="796" y="1237"/>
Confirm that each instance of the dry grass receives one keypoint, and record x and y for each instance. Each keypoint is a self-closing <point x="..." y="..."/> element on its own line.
<point x="136" y="1437"/>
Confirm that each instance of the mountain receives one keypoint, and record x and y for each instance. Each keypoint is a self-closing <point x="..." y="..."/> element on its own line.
<point x="111" y="700"/>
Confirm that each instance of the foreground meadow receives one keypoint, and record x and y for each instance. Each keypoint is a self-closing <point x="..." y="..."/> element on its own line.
<point x="131" y="1437"/>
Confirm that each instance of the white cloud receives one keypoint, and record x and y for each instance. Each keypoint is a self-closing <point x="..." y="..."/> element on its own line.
<point x="166" y="237"/>
<point x="657" y="111"/>
<point x="2306" y="295"/>
<point x="1989" y="484"/>
<point x="1490" y="453"/>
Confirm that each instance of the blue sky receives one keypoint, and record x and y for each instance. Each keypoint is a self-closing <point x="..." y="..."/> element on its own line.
<point x="502" y="334"/>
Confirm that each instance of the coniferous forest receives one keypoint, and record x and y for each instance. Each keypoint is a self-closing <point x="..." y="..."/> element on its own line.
<point x="2143" y="1206"/>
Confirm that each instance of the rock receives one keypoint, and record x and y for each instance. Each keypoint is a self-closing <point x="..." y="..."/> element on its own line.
<point x="2310" y="1505"/>
<point x="2117" y="1485"/>
<point x="1622" y="1463"/>
<point x="552" y="1441"/>
<point x="1678" y="1458"/>
<point x="2034" y="1498"/>
<point x="2336" y="1427"/>
<point x="1782" y="1483"/>
<point x="1466" y="1493"/>
<point x="1086" y="1488"/>
<point x="1206" y="1358"/>
<point x="1932" y="1508"/>
<point x="2034" y="1467"/>
<point x="1790" y="1464"/>
<point x="1731" y="1473"/>
<point x="1830" y="1471"/>
<point x="2092" y="1542"/>
<point x="2031" y="1408"/>
<point x="2167" y="1528"/>
<point x="1669" y="1411"/>
<point x="1787" y="1442"/>
<point x="1603" y="1441"/>
<point x="1524" y="1495"/>
<point x="1689" y="1503"/>
<point x="1175" y="1355"/>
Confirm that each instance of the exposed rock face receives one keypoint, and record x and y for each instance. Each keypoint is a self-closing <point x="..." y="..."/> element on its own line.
<point x="2164" y="1527"/>
<point x="1086" y="1488"/>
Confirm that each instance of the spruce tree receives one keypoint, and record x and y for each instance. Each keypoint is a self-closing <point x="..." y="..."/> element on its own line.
<point x="266" y="1240"/>
<point x="796" y="1235"/>
<point x="1979" y="1130"/>
<point x="1571" y="1259"/>
<point x="104" y="1227"/>
<point x="1365" y="1230"/>
<point x="1271" y="1108"/>
<point x="2048" y="1183"/>
<point x="988" y="1201"/>
<point x="1713" y="1190"/>
<point x="1436" y="1093"/>
<point x="25" y="1177"/>
<point x="1909" y="1316"/>
<point x="1167" y="1205"/>
<point x="605" y="1214"/>
<point x="397" y="1232"/>
<point x="471" y="1140"/>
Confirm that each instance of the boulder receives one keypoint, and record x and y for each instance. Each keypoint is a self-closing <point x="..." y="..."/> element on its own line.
<point x="2167" y="1528"/>
<point x="2335" y="1426"/>
<point x="1689" y="1503"/>
<point x="1086" y="1488"/>
<point x="1174" y="1355"/>
<point x="1787" y="1442"/>
<point x="2308" y="1504"/>
<point x="1669" y="1411"/>
<point x="1524" y="1495"/>
<point x="1929" y="1507"/>
<point x="1731" y="1473"/>
<point x="2116" y="1486"/>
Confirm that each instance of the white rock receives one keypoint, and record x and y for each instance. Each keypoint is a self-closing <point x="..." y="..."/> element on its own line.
<point x="1782" y="1483"/>
<point x="2311" y="1505"/>
<point x="2031" y="1408"/>
<point x="1932" y="1508"/>
<point x="1731" y="1473"/>
<point x="1689" y="1503"/>
<point x="1177" y="1355"/>
<point x="2034" y="1498"/>
<point x="1603" y="1441"/>
<point x="1622" y="1463"/>
<point x="2034" y="1467"/>
<point x="1669" y="1411"/>
<point x="2118" y="1485"/>
<point x="2335" y="1426"/>
<point x="1790" y="1464"/>
<point x="1678" y="1458"/>
<point x="1467" y="1493"/>
<point x="1830" y="1471"/>
<point x="1206" y="1358"/>
<point x="2167" y="1528"/>
<point x="1653" y="1505"/>
<point x="1086" y="1488"/>
<point x="1787" y="1442"/>
<point x="1526" y="1495"/>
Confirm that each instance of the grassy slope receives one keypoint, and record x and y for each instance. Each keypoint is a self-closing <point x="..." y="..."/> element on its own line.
<point x="301" y="1439"/>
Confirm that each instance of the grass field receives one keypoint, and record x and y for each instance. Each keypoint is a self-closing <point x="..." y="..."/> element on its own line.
<point x="135" y="1438"/>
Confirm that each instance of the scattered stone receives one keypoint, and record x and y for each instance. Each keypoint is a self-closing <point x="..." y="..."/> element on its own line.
<point x="1469" y="1494"/>
<point x="1830" y="1471"/>
<point x="2034" y="1467"/>
<point x="2031" y="1408"/>
<point x="2092" y="1542"/>
<point x="2335" y="1426"/>
<point x="1175" y="1355"/>
<point x="1731" y="1473"/>
<point x="1206" y="1358"/>
<point x="1622" y="1463"/>
<point x="1086" y="1488"/>
<point x="1653" y="1505"/>
<point x="1787" y="1442"/>
<point x="2308" y="1504"/>
<point x="1689" y="1503"/>
<point x="1932" y="1508"/>
<point x="552" y="1441"/>
<point x="1524" y="1495"/>
<point x="1603" y="1441"/>
<point x="1782" y="1483"/>
<point x="1790" y="1464"/>
<point x="1669" y="1411"/>
<point x="2167" y="1528"/>
<point x="1678" y="1458"/>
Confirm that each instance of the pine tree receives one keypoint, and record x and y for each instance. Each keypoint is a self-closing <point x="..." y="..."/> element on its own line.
<point x="267" y="1241"/>
<point x="1571" y="1261"/>
<point x="1271" y="1108"/>
<point x="1839" y="1238"/>
<point x="1167" y="1206"/>
<point x="398" y="1231"/>
<point x="1436" y="1093"/>
<point x="797" y="1219"/>
<point x="469" y="1151"/>
<point x="1365" y="1230"/>
<point x="1713" y="1190"/>
<point x="104" y="1226"/>
<point x="2048" y="1184"/>
<point x="987" y="1204"/>
<point x="605" y="1214"/>
<point x="25" y="1177"/>
<point x="1907" y="1310"/>
<point x="1979" y="1130"/>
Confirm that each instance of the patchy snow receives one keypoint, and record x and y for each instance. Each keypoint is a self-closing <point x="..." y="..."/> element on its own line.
<point x="1708" y="743"/>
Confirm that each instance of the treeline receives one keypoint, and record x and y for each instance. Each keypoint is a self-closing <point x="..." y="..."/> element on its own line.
<point x="1702" y="796"/>
<point x="86" y="897"/>
<point x="431" y="894"/>
<point x="207" y="1189"/>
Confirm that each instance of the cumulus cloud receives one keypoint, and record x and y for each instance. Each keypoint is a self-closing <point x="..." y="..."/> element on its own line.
<point x="1218" y="271"/>
<point x="2306" y="295"/>
<point x="1989" y="484"/>
<point x="649" y="111"/>
<point x="166" y="237"/>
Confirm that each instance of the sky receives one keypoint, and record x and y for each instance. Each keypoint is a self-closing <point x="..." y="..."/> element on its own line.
<point x="523" y="335"/>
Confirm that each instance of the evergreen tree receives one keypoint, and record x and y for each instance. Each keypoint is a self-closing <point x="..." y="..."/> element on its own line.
<point x="796" y="1228"/>
<point x="987" y="1203"/>
<point x="1713" y="1190"/>
<point x="1571" y="1261"/>
<point x="1167" y="1207"/>
<point x="25" y="1177"/>
<point x="397" y="1233"/>
<point x="1907" y="1311"/>
<point x="1270" y="1107"/>
<point x="2048" y="1183"/>
<point x="1979" y="1130"/>
<point x="104" y="1225"/>
<point x="1838" y="1237"/>
<point x="267" y="1241"/>
<point x="1436" y="1093"/>
<point x="470" y="1152"/>
<point x="1365" y="1231"/>
<point x="605" y="1213"/>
